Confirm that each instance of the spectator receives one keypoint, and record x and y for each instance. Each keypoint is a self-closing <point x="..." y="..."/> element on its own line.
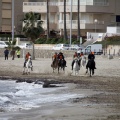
<point x="6" y="53"/>
<point x="18" y="53"/>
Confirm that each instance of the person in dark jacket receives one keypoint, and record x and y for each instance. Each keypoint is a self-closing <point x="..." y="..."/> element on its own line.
<point x="6" y="53"/>
<point x="61" y="57"/>
<point x="91" y="56"/>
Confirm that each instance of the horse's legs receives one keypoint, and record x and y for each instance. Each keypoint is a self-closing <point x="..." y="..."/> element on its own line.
<point x="90" y="71"/>
<point x="23" y="70"/>
<point x="58" y="69"/>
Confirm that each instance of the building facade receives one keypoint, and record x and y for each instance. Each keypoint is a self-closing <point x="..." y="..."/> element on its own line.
<point x="6" y="15"/>
<point x="95" y="15"/>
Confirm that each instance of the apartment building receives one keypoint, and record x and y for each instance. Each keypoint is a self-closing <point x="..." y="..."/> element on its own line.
<point x="6" y="16"/>
<point x="95" y="15"/>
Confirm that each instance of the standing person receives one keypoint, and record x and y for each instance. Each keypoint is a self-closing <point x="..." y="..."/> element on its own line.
<point x="18" y="53"/>
<point x="6" y="53"/>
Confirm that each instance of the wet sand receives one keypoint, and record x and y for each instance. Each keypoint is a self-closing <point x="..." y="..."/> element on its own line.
<point x="102" y="91"/>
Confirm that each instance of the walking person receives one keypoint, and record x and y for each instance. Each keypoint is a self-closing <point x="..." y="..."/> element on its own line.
<point x="18" y="53"/>
<point x="6" y="53"/>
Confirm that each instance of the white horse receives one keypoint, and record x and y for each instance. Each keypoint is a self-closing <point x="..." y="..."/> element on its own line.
<point x="83" y="61"/>
<point x="28" y="66"/>
<point x="76" y="66"/>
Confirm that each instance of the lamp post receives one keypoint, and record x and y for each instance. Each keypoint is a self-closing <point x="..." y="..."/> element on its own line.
<point x="95" y="21"/>
<point x="12" y="20"/>
<point x="71" y="23"/>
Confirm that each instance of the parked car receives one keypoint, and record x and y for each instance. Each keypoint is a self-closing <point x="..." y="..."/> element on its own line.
<point x="76" y="47"/>
<point x="61" y="47"/>
<point x="3" y="44"/>
<point x="25" y="45"/>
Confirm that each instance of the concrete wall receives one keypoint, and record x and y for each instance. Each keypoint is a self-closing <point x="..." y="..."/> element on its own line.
<point x="40" y="53"/>
<point x="113" y="49"/>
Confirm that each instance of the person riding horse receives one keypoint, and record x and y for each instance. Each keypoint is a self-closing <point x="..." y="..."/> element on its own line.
<point x="26" y="59"/>
<point x="61" y="57"/>
<point x="75" y="56"/>
<point x="91" y="56"/>
<point x="54" y="57"/>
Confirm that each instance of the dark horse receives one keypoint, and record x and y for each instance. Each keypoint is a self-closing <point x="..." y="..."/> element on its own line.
<point x="91" y="66"/>
<point x="61" y="64"/>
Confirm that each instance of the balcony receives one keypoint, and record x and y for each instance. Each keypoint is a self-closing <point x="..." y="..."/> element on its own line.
<point x="6" y="28"/>
<point x="83" y="24"/>
<point x="7" y="1"/>
<point x="40" y="7"/>
<point x="52" y="25"/>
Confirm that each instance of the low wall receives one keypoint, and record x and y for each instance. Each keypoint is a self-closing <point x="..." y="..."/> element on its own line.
<point x="40" y="53"/>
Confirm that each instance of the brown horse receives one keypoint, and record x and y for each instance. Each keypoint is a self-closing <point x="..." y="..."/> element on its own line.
<point x="54" y="64"/>
<point x="57" y="64"/>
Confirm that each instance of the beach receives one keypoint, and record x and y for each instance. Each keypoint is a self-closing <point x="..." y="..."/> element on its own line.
<point x="101" y="91"/>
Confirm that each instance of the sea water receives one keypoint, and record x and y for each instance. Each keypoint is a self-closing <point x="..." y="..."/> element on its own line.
<point x="17" y="96"/>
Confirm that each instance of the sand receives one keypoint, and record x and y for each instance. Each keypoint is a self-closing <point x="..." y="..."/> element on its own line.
<point x="102" y="91"/>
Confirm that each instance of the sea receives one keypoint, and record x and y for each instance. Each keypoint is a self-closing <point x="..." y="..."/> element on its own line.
<point x="24" y="96"/>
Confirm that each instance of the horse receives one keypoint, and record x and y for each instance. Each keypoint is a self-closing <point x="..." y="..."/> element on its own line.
<point x="91" y="66"/>
<point x="54" y="64"/>
<point x="28" y="66"/>
<point x="61" y="64"/>
<point x="82" y="61"/>
<point x="76" y="65"/>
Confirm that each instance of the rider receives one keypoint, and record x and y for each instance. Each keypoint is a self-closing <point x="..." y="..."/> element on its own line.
<point x="61" y="56"/>
<point x="75" y="56"/>
<point x="26" y="58"/>
<point x="91" y="56"/>
<point x="54" y="57"/>
<point x="81" y="54"/>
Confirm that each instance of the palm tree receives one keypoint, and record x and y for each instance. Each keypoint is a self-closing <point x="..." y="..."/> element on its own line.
<point x="32" y="28"/>
<point x="78" y="12"/>
<point x="48" y="19"/>
<point x="12" y="47"/>
<point x="65" y="31"/>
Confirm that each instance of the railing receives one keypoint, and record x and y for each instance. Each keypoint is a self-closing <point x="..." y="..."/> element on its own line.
<point x="67" y="3"/>
<point x="81" y="22"/>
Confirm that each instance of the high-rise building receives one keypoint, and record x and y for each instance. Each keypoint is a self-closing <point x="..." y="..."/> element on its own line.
<point x="6" y="15"/>
<point x="95" y="15"/>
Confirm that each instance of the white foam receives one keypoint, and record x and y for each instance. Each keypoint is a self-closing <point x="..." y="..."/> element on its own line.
<point x="30" y="95"/>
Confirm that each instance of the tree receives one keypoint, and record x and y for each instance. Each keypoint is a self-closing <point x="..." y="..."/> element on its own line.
<point x="12" y="46"/>
<point x="32" y="28"/>
<point x="78" y="12"/>
<point x="48" y="19"/>
<point x="65" y="31"/>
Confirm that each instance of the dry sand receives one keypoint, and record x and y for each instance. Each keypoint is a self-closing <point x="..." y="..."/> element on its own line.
<point x="102" y="91"/>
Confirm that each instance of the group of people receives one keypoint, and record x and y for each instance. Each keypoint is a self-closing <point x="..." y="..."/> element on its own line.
<point x="57" y="56"/>
<point x="60" y="56"/>
<point x="6" y="53"/>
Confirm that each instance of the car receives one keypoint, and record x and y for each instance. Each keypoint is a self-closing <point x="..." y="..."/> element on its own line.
<point x="3" y="44"/>
<point x="75" y="47"/>
<point x="61" y="47"/>
<point x="25" y="45"/>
